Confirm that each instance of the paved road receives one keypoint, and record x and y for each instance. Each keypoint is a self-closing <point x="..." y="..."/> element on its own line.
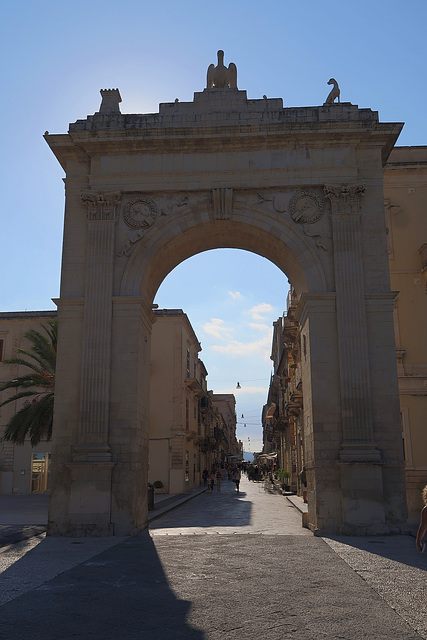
<point x="228" y="566"/>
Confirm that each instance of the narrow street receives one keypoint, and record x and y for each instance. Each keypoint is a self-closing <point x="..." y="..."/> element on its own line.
<point x="251" y="511"/>
<point x="223" y="566"/>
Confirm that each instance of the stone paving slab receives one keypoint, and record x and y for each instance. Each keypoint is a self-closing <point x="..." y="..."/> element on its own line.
<point x="394" y="569"/>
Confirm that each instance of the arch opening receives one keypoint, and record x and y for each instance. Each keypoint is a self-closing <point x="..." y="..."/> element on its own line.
<point x="255" y="231"/>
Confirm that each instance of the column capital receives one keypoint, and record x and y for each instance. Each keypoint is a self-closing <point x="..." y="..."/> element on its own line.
<point x="344" y="198"/>
<point x="102" y="205"/>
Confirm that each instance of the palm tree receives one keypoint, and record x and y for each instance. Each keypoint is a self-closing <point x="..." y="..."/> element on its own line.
<point x="35" y="418"/>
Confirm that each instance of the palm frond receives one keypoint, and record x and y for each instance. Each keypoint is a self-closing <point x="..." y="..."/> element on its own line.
<point x="35" y="418"/>
<point x="25" y="363"/>
<point x="18" y="396"/>
<point x="30" y="380"/>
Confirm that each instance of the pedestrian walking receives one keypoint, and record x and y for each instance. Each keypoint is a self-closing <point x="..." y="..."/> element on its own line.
<point x="236" y="478"/>
<point x="205" y="477"/>
<point x="422" y="529"/>
<point x="303" y="480"/>
<point x="218" y="480"/>
<point x="210" y="481"/>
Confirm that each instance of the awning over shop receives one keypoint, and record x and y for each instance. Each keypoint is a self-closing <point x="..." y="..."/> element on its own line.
<point x="268" y="456"/>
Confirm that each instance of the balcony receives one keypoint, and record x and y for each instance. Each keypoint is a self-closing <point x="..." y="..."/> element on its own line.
<point x="194" y="386"/>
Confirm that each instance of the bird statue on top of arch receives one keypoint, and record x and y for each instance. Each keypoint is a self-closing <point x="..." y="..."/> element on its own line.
<point x="221" y="76"/>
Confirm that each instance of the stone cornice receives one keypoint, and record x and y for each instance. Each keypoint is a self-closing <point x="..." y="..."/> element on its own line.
<point x="335" y="132"/>
<point x="79" y="144"/>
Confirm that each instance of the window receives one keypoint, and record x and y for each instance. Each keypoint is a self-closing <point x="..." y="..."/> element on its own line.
<point x="187" y="412"/>
<point x="1" y="350"/>
<point x="187" y="467"/>
<point x="188" y="363"/>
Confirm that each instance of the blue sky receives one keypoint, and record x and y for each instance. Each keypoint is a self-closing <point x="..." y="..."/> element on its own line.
<point x="57" y="55"/>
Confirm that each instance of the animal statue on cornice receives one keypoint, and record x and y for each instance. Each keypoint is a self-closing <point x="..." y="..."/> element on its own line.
<point x="220" y="76"/>
<point x="335" y="92"/>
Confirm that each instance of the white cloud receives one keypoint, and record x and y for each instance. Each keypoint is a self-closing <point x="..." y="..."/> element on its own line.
<point x="261" y="347"/>
<point x="236" y="295"/>
<point x="260" y="310"/>
<point x="260" y="327"/>
<point x="218" y="329"/>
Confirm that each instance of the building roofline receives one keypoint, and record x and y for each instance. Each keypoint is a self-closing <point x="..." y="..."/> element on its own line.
<point x="28" y="314"/>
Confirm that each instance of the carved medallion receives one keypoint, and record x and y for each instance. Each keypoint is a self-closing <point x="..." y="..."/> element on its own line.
<point x="140" y="212"/>
<point x="305" y="207"/>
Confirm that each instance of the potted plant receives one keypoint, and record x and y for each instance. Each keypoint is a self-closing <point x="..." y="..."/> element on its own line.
<point x="158" y="485"/>
<point x="283" y="476"/>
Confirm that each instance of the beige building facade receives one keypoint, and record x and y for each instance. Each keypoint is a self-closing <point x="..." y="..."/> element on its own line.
<point x="191" y="428"/>
<point x="405" y="192"/>
<point x="176" y="389"/>
<point x="23" y="469"/>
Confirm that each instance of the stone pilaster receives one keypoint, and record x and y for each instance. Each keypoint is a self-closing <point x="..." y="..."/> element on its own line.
<point x="96" y="351"/>
<point x="358" y="442"/>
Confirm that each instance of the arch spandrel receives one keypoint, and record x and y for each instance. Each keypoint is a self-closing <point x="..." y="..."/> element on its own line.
<point x="249" y="228"/>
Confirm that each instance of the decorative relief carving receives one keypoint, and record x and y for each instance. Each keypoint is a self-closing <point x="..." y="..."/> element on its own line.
<point x="280" y="201"/>
<point x="344" y="198"/>
<point x="318" y="236"/>
<point x="135" y="237"/>
<point x="172" y="207"/>
<point x="101" y="205"/>
<point x="305" y="207"/>
<point x="140" y="212"/>
<point x="222" y="199"/>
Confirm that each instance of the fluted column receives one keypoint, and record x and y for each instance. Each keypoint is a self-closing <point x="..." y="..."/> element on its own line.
<point x="96" y="352"/>
<point x="355" y="384"/>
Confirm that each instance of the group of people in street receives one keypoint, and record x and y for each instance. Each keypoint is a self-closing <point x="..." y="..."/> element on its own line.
<point x="217" y="474"/>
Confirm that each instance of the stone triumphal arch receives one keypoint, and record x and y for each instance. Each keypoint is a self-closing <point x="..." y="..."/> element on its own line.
<point x="299" y="186"/>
